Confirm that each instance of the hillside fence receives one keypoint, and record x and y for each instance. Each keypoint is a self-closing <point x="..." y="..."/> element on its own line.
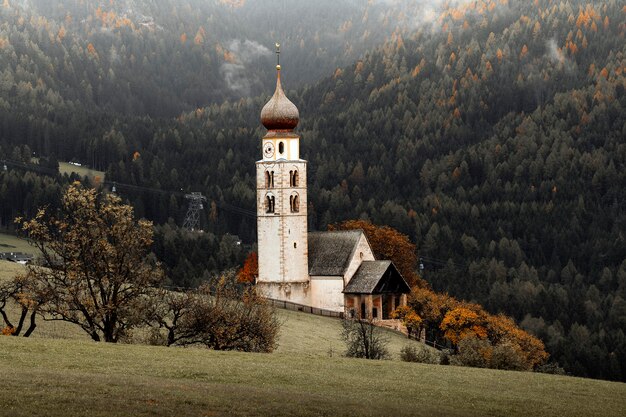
<point x="288" y="305"/>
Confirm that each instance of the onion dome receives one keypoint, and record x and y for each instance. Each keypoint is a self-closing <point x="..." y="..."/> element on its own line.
<point x="279" y="113"/>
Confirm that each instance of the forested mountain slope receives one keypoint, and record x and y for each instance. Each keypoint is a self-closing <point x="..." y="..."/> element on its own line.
<point x="162" y="57"/>
<point x="493" y="137"/>
<point x="499" y="144"/>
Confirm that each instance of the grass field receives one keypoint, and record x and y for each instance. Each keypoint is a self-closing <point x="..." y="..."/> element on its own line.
<point x="10" y="243"/>
<point x="308" y="336"/>
<point x="10" y="269"/>
<point x="48" y="377"/>
<point x="60" y="372"/>
<point x="67" y="168"/>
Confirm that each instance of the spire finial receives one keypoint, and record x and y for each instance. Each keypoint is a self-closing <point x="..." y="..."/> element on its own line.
<point x="277" y="56"/>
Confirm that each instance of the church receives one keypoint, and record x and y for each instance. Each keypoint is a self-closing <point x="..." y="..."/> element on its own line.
<point x="334" y="270"/>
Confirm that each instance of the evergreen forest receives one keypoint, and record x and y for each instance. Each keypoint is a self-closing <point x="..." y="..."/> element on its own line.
<point x="491" y="132"/>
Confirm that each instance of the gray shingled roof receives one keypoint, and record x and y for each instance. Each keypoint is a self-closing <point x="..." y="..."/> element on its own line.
<point x="377" y="277"/>
<point x="330" y="252"/>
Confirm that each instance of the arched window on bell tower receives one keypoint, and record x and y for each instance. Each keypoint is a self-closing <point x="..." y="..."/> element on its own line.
<point x="269" y="179"/>
<point x="294" y="203"/>
<point x="270" y="203"/>
<point x="293" y="178"/>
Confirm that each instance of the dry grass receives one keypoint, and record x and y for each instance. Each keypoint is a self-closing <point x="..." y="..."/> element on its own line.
<point x="63" y="377"/>
<point x="9" y="269"/>
<point x="308" y="335"/>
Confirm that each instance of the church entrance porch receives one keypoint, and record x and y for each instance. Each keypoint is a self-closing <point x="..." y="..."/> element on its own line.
<point x="375" y="291"/>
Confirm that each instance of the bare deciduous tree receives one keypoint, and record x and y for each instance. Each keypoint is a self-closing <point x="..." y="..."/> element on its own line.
<point x="219" y="317"/>
<point x="363" y="339"/>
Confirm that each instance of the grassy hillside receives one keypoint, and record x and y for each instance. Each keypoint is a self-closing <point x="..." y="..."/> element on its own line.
<point x="301" y="334"/>
<point x="307" y="335"/>
<point x="10" y="243"/>
<point x="61" y="377"/>
<point x="9" y="269"/>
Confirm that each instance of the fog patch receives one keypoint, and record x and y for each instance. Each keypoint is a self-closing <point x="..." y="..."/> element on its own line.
<point x="556" y="55"/>
<point x="240" y="54"/>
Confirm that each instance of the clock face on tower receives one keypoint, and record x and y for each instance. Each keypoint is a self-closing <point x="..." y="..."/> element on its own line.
<point x="268" y="149"/>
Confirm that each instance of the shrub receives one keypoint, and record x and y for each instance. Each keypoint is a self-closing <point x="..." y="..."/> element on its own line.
<point x="551" y="368"/>
<point x="364" y="340"/>
<point x="482" y="354"/>
<point x="507" y="356"/>
<point x="473" y="352"/>
<point x="412" y="353"/>
<point x="219" y="317"/>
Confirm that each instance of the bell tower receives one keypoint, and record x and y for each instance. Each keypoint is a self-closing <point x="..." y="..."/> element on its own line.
<point x="282" y="203"/>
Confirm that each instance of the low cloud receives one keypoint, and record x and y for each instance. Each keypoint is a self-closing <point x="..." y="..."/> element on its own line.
<point x="235" y="72"/>
<point x="556" y="55"/>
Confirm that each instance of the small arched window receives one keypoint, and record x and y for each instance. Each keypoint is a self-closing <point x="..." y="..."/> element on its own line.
<point x="281" y="147"/>
<point x="271" y="179"/>
<point x="267" y="179"/>
<point x="293" y="178"/>
<point x="294" y="203"/>
<point x="270" y="203"/>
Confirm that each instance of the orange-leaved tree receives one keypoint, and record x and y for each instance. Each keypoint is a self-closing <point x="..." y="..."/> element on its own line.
<point x="464" y="321"/>
<point x="250" y="270"/>
<point x="502" y="330"/>
<point x="431" y="306"/>
<point x="410" y="319"/>
<point x="388" y="243"/>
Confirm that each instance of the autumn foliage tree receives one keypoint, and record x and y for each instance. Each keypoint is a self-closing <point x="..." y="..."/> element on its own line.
<point x="411" y="320"/>
<point x="479" y="339"/>
<point x="463" y="322"/>
<point x="14" y="292"/>
<point x="250" y="269"/>
<point x="388" y="243"/>
<point x="95" y="266"/>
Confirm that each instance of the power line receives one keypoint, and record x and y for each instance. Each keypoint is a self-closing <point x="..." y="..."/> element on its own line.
<point x="6" y="163"/>
<point x="220" y="204"/>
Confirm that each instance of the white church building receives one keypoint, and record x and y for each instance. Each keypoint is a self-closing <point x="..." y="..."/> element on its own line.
<point x="333" y="270"/>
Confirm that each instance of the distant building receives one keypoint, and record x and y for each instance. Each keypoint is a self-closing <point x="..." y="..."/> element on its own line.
<point x="329" y="270"/>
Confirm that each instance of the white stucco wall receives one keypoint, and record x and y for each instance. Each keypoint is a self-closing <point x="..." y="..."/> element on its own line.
<point x="298" y="293"/>
<point x="326" y="293"/>
<point x="362" y="253"/>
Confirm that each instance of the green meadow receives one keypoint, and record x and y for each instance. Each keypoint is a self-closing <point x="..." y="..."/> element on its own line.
<point x="59" y="371"/>
<point x="61" y="377"/>
<point x="10" y="243"/>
